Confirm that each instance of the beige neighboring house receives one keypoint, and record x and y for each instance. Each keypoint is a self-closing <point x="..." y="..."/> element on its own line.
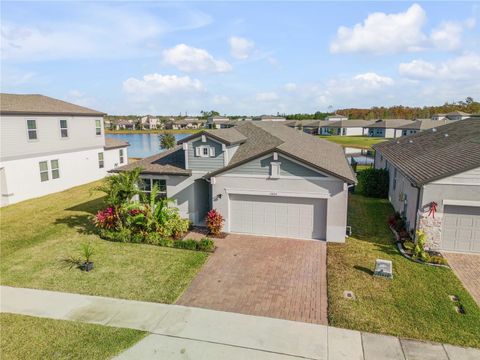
<point x="149" y="122"/>
<point x="386" y="128"/>
<point x="49" y="145"/>
<point x="421" y="125"/>
<point x="264" y="178"/>
<point x="220" y="122"/>
<point x="435" y="183"/>
<point x="189" y="123"/>
<point x="454" y="115"/>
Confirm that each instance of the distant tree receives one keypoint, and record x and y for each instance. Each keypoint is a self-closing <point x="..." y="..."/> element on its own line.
<point x="207" y="114"/>
<point x="167" y="141"/>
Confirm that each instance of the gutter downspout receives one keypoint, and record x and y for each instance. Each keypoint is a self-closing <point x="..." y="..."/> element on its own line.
<point x="420" y="192"/>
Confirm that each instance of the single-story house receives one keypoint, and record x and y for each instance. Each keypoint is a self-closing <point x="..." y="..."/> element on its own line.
<point x="435" y="183"/>
<point x="386" y="128"/>
<point x="420" y="125"/>
<point x="344" y="127"/>
<point x="189" y="123"/>
<point x="336" y="117"/>
<point x="454" y="115"/>
<point x="264" y="178"/>
<point x="269" y="118"/>
<point x="220" y="122"/>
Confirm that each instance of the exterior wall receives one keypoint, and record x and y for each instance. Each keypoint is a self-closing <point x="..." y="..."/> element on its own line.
<point x="261" y="167"/>
<point x="386" y="133"/>
<point x="334" y="190"/>
<point x="205" y="164"/>
<point x="460" y="187"/>
<point x="15" y="143"/>
<point x="112" y="158"/>
<point x="407" y="132"/>
<point x="353" y="131"/>
<point x="21" y="178"/>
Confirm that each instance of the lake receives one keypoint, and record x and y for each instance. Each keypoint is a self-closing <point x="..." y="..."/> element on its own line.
<point x="143" y="145"/>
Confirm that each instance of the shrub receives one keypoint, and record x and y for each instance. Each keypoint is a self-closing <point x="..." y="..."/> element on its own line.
<point x="419" y="250"/>
<point x="153" y="238"/>
<point x="408" y="245"/>
<point x="188" y="244"/>
<point x="106" y="218"/>
<point x="435" y="259"/>
<point x="206" y="244"/>
<point x="373" y="182"/>
<point x="166" y="242"/>
<point x="123" y="235"/>
<point x="214" y="222"/>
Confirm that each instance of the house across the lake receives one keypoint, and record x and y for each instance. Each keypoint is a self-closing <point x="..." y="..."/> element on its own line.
<point x="263" y="177"/>
<point x="435" y="183"/>
<point x="49" y="145"/>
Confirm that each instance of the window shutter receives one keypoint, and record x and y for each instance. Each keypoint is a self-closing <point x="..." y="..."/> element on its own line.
<point x="274" y="170"/>
<point x="212" y="151"/>
<point x="197" y="151"/>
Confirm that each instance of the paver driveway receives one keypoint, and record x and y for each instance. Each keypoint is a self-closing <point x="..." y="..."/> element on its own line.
<point x="274" y="277"/>
<point x="467" y="269"/>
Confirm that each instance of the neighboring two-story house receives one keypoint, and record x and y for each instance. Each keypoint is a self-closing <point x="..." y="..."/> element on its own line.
<point x="264" y="178"/>
<point x="435" y="183"/>
<point x="149" y="122"/>
<point x="48" y="145"/>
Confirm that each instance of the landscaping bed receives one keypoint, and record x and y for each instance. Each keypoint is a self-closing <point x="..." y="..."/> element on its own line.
<point x="38" y="234"/>
<point x="26" y="337"/>
<point x="416" y="303"/>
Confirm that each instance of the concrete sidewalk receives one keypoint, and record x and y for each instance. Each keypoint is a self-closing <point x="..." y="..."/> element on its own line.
<point x="179" y="332"/>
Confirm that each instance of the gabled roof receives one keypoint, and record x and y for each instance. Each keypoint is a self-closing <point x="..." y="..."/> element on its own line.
<point x="389" y="124"/>
<point x="457" y="113"/>
<point x="264" y="137"/>
<point x="424" y="124"/>
<point x="169" y="162"/>
<point x="435" y="154"/>
<point x="229" y="136"/>
<point x="111" y="143"/>
<point x="347" y="123"/>
<point x="35" y="104"/>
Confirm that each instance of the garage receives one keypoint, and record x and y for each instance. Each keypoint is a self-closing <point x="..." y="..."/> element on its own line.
<point x="461" y="228"/>
<point x="293" y="217"/>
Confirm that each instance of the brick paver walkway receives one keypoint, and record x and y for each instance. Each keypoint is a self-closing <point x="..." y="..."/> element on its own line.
<point x="467" y="268"/>
<point x="273" y="277"/>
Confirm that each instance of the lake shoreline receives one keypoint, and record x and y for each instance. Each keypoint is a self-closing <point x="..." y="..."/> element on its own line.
<point x="169" y="131"/>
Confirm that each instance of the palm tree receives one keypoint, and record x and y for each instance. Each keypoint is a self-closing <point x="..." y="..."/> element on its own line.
<point x="121" y="188"/>
<point x="167" y="141"/>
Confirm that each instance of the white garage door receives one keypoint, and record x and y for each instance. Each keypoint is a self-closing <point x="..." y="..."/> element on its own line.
<point x="461" y="228"/>
<point x="302" y="218"/>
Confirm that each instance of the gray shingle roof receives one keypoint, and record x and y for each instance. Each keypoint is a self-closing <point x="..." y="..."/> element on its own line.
<point x="229" y="136"/>
<point x="169" y="162"/>
<point x="347" y="123"/>
<point x="263" y="137"/>
<point x="34" y="104"/>
<point x="389" y="124"/>
<point x="431" y="155"/>
<point x="424" y="124"/>
<point x="115" y="143"/>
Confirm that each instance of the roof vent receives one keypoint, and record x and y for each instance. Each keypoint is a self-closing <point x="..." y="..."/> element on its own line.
<point x="434" y="129"/>
<point x="446" y="135"/>
<point x="410" y="141"/>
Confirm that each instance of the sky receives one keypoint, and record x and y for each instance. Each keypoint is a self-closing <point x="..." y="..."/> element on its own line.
<point x="245" y="58"/>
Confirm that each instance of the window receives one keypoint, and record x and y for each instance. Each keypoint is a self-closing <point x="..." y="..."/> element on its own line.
<point x="32" y="129"/>
<point x="101" y="163"/>
<point x="43" y="170"/>
<point x="120" y="152"/>
<point x="55" y="169"/>
<point x="98" y="127"/>
<point x="274" y="170"/>
<point x="63" y="129"/>
<point x="394" y="178"/>
<point x="146" y="185"/>
<point x="205" y="151"/>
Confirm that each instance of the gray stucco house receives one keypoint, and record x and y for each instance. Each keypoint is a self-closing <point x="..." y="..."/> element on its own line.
<point x="264" y="178"/>
<point x="435" y="183"/>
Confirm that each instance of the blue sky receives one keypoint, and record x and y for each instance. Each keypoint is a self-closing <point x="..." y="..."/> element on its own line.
<point x="241" y="57"/>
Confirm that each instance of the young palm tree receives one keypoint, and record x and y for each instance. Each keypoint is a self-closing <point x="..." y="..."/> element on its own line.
<point x="121" y="188"/>
<point x="167" y="141"/>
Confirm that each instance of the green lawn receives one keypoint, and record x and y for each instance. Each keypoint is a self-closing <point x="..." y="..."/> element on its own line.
<point x="415" y="304"/>
<point x="37" y="234"/>
<point x="362" y="142"/>
<point x="25" y="337"/>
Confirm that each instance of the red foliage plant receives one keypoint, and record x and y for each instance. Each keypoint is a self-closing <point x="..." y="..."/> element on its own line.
<point x="214" y="222"/>
<point x="106" y="218"/>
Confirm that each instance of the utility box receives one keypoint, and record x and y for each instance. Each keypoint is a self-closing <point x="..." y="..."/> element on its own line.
<point x="383" y="268"/>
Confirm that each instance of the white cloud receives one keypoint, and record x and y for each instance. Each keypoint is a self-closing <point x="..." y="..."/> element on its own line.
<point x="373" y="80"/>
<point x="221" y="99"/>
<point x="266" y="96"/>
<point x="383" y="33"/>
<point x="448" y="36"/>
<point x="152" y="84"/>
<point x="94" y="30"/>
<point x="190" y="59"/>
<point x="463" y="67"/>
<point x="240" y="48"/>
<point x="290" y="86"/>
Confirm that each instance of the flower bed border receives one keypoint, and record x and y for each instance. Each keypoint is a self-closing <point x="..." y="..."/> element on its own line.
<point x="405" y="255"/>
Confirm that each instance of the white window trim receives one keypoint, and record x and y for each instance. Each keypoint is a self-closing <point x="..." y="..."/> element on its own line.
<point x="151" y="186"/>
<point x="45" y="171"/>
<point x="96" y="127"/>
<point x="101" y="162"/>
<point x="121" y="156"/>
<point x="67" y="128"/>
<point x="57" y="168"/>
<point x="28" y="131"/>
